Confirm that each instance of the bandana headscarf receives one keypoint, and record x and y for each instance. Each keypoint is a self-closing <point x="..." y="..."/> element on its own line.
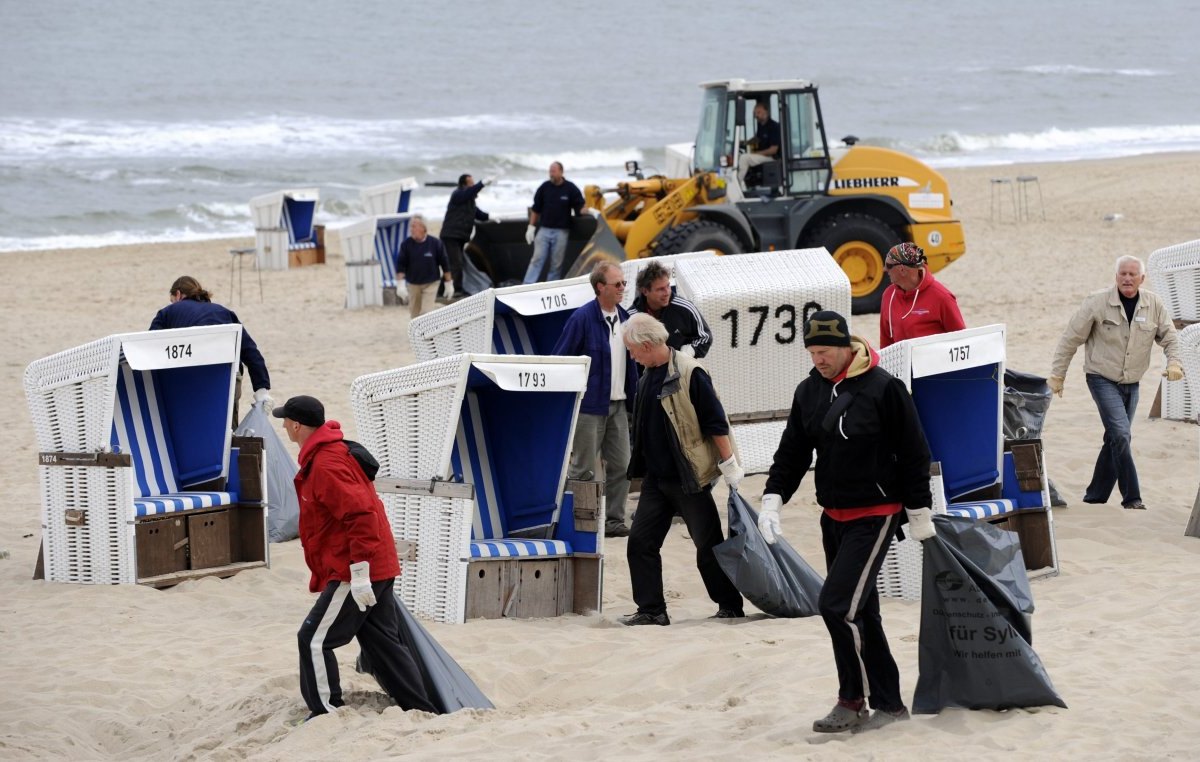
<point x="906" y="253"/>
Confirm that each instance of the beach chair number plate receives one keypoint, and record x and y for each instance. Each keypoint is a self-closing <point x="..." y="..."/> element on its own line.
<point x="542" y="301"/>
<point x="521" y="377"/>
<point x="958" y="353"/>
<point x="169" y="352"/>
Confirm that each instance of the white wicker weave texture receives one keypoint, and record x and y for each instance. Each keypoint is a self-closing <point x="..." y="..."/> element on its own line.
<point x="465" y="326"/>
<point x="756" y="305"/>
<point x="1188" y="408"/>
<point x="1174" y="274"/>
<point x="631" y="268"/>
<point x="364" y="285"/>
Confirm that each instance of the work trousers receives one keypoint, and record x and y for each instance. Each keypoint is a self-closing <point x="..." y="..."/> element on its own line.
<point x="454" y="252"/>
<point x="1114" y="465"/>
<point x="334" y="620"/>
<point x="422" y="297"/>
<point x="606" y="436"/>
<point x="552" y="242"/>
<point x="849" y="604"/>
<point x="658" y="502"/>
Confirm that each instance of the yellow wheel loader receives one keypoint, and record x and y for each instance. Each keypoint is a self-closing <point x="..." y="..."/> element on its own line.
<point x="856" y="201"/>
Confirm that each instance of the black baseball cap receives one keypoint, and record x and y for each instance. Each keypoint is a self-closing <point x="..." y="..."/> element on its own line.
<point x="305" y="410"/>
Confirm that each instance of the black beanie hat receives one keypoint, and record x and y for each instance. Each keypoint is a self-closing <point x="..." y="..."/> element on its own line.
<point x="826" y="329"/>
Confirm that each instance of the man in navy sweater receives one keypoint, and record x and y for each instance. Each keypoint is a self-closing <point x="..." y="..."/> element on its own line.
<point x="550" y="223"/>
<point x="422" y="262"/>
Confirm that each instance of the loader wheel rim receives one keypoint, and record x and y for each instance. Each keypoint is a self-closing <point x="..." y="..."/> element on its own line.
<point x="863" y="266"/>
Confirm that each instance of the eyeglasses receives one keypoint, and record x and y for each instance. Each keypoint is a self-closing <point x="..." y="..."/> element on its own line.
<point x="618" y="284"/>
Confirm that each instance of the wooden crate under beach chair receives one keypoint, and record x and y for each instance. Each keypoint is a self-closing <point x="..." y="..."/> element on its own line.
<point x="141" y="478"/>
<point x="473" y="453"/>
<point x="956" y="380"/>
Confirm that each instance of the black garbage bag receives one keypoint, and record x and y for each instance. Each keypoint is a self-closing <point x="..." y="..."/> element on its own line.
<point x="975" y="645"/>
<point x="449" y="688"/>
<point x="772" y="577"/>
<point x="1026" y="401"/>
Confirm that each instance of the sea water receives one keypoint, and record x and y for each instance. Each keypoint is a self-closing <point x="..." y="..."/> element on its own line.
<point x="157" y="120"/>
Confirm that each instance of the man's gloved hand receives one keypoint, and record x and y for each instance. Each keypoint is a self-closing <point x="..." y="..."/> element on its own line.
<point x="1056" y="384"/>
<point x="262" y="396"/>
<point x="920" y="524"/>
<point x="1174" y="372"/>
<point x="732" y="471"/>
<point x="360" y="585"/>
<point x="530" y="232"/>
<point x="489" y="180"/>
<point x="688" y="350"/>
<point x="768" y="518"/>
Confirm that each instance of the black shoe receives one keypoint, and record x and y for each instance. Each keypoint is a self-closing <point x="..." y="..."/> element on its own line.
<point x="620" y="530"/>
<point x="633" y="620"/>
<point x="728" y="614"/>
<point x="1136" y="505"/>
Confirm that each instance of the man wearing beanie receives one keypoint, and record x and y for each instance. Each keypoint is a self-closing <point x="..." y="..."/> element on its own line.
<point x="872" y="460"/>
<point x="349" y="549"/>
<point x="916" y="304"/>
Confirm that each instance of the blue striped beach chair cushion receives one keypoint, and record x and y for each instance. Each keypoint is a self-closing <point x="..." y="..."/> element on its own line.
<point x="510" y="335"/>
<point x="984" y="509"/>
<point x="519" y="548"/>
<point x="387" y="249"/>
<point x="181" y="501"/>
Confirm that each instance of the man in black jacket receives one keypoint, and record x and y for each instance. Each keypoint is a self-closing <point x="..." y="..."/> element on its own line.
<point x="872" y="460"/>
<point x="461" y="216"/>
<point x="687" y="330"/>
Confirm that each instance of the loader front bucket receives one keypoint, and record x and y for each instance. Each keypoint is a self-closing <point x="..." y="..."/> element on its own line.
<point x="498" y="249"/>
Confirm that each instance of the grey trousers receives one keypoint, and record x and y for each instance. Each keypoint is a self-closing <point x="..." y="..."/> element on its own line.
<point x="606" y="436"/>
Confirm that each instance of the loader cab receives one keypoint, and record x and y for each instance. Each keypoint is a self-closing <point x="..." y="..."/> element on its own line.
<point x="727" y="126"/>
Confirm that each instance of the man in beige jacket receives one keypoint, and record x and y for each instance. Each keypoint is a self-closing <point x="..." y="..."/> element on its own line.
<point x="1118" y="327"/>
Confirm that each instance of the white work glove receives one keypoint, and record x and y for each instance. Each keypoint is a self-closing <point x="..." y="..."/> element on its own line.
<point x="920" y="524"/>
<point x="688" y="350"/>
<point x="768" y="518"/>
<point x="1174" y="371"/>
<point x="489" y="180"/>
<point x="1056" y="384"/>
<point x="732" y="471"/>
<point x="530" y="232"/>
<point x="360" y="585"/>
<point x="262" y="397"/>
<point x="402" y="292"/>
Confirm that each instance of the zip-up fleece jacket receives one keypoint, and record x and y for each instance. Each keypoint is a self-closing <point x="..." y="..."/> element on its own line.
<point x="927" y="310"/>
<point x="1115" y="347"/>
<point x="684" y="323"/>
<point x="586" y="333"/>
<point x="341" y="518"/>
<point x="870" y="447"/>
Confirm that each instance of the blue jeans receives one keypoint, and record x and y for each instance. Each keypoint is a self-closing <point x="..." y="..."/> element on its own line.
<point x="554" y="242"/>
<point x="1114" y="466"/>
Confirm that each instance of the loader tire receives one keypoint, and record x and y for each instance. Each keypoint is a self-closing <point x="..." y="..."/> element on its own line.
<point x="858" y="243"/>
<point x="698" y="235"/>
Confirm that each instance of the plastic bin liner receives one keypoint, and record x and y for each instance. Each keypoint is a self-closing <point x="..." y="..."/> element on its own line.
<point x="1026" y="400"/>
<point x="449" y="688"/>
<point x="283" y="507"/>
<point x="975" y="645"/>
<point x="772" y="577"/>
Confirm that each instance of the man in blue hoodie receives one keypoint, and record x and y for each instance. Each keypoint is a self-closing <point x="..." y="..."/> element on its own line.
<point x="602" y="431"/>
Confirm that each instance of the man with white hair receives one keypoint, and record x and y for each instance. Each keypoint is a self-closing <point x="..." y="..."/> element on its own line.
<point x="423" y="264"/>
<point x="1118" y="327"/>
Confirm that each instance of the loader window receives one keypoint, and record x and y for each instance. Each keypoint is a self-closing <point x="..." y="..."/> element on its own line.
<point x="807" y="163"/>
<point x="713" y="136"/>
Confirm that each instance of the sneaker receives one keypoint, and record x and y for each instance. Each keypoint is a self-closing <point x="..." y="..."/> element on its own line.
<point x="620" y="530"/>
<point x="640" y="618"/>
<point x="881" y="717"/>
<point x="728" y="614"/>
<point x="841" y="718"/>
<point x="1134" y="505"/>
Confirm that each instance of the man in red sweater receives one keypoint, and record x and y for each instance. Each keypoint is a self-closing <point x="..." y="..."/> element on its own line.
<point x="916" y="304"/>
<point x="349" y="549"/>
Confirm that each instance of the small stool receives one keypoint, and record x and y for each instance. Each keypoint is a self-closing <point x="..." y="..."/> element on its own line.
<point x="1023" y="182"/>
<point x="996" y="206"/>
<point x="237" y="255"/>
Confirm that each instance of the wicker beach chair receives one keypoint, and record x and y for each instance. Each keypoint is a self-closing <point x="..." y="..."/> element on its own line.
<point x="956" y="380"/>
<point x="473" y="452"/>
<point x="1173" y="273"/>
<point x="284" y="233"/>
<point x="389" y="198"/>
<point x="370" y="247"/>
<point x="139" y="481"/>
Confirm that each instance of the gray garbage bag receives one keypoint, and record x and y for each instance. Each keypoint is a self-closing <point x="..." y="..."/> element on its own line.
<point x="449" y="688"/>
<point x="283" y="507"/>
<point x="975" y="647"/>
<point x="1026" y="401"/>
<point x="772" y="577"/>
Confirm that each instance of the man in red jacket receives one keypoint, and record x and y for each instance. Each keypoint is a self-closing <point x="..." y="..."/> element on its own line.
<point x="349" y="549"/>
<point x="916" y="304"/>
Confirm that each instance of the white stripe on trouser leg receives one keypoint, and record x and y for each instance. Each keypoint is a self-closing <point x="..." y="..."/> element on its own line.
<point x="854" y="601"/>
<point x="317" y="646"/>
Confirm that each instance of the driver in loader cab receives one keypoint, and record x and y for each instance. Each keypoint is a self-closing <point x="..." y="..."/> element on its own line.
<point x="765" y="146"/>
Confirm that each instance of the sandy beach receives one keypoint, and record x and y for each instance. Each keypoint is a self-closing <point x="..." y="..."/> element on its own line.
<point x="207" y="669"/>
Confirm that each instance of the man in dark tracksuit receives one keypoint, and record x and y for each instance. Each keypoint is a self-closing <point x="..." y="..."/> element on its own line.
<point x="349" y="549"/>
<point x="872" y="460"/>
<point x="687" y="331"/>
<point x="459" y="222"/>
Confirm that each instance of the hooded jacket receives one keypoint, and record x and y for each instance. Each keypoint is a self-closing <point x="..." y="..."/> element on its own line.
<point x="927" y="310"/>
<point x="341" y="518"/>
<point x="870" y="447"/>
